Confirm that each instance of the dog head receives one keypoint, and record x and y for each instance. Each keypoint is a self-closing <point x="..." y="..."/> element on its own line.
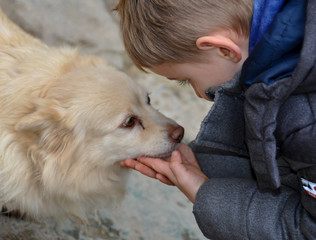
<point x="88" y="120"/>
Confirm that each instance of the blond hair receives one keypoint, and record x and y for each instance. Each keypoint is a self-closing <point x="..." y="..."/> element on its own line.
<point x="159" y="31"/>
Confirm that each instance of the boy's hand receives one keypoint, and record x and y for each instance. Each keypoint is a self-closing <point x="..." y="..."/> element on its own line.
<point x="182" y="170"/>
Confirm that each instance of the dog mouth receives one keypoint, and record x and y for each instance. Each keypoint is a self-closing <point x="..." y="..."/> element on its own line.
<point x="162" y="155"/>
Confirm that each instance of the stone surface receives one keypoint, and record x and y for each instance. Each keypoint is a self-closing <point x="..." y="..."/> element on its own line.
<point x="150" y="209"/>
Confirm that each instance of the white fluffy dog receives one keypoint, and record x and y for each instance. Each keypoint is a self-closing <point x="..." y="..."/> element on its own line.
<point x="65" y="122"/>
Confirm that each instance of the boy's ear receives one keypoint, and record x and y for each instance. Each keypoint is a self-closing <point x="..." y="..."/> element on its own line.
<point x="225" y="47"/>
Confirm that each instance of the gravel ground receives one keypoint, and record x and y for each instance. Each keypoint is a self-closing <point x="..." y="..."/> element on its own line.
<point x="150" y="210"/>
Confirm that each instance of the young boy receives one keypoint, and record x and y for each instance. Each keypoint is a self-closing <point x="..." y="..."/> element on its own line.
<point x="251" y="171"/>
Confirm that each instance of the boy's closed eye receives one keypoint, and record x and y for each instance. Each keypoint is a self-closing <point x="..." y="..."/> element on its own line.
<point x="184" y="82"/>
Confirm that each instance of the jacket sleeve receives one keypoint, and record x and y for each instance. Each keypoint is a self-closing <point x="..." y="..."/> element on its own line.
<point x="232" y="208"/>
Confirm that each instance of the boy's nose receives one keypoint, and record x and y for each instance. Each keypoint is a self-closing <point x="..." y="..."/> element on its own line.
<point x="176" y="133"/>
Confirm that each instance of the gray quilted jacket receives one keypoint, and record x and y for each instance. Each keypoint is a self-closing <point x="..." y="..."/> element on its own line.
<point x="258" y="142"/>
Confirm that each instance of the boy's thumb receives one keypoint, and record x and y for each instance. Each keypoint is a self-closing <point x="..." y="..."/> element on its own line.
<point x="176" y="165"/>
<point x="176" y="157"/>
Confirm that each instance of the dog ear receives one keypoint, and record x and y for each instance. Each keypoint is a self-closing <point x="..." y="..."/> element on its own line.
<point x="45" y="112"/>
<point x="54" y="137"/>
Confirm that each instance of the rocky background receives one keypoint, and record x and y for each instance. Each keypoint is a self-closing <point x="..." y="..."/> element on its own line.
<point x="150" y="210"/>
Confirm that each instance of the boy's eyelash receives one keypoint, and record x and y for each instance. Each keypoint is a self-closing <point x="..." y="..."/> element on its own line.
<point x="183" y="82"/>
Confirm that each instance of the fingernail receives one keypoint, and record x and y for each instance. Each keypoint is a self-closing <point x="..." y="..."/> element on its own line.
<point x="175" y="153"/>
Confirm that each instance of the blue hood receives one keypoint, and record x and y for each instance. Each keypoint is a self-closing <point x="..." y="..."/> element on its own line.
<point x="263" y="16"/>
<point x="276" y="52"/>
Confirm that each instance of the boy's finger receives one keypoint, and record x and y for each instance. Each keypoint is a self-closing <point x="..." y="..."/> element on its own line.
<point x="159" y="165"/>
<point x="176" y="165"/>
<point x="143" y="169"/>
<point x="164" y="179"/>
<point x="127" y="163"/>
<point x="176" y="157"/>
<point x="151" y="162"/>
<point x="186" y="153"/>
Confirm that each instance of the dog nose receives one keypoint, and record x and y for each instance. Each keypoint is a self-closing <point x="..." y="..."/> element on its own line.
<point x="176" y="133"/>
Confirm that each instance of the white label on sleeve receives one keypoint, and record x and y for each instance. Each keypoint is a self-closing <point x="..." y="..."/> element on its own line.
<point x="309" y="187"/>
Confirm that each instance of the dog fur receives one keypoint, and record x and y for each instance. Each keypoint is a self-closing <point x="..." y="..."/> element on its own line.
<point x="66" y="121"/>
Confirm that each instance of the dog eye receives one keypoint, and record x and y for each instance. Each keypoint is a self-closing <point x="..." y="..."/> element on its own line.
<point x="148" y="99"/>
<point x="129" y="122"/>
